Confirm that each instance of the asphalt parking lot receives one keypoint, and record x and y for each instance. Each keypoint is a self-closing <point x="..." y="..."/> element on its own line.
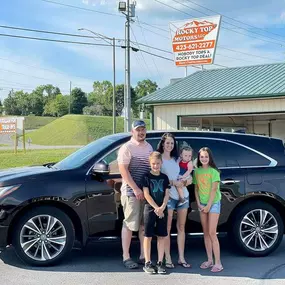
<point x="100" y="263"/>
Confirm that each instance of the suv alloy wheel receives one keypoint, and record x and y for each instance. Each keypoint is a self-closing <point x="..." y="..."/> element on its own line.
<point x="257" y="228"/>
<point x="43" y="236"/>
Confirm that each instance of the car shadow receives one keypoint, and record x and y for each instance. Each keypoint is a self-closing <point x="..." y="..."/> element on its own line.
<point x="106" y="257"/>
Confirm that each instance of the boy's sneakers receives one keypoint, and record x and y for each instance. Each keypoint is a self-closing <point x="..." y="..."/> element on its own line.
<point x="182" y="202"/>
<point x="149" y="268"/>
<point x="160" y="268"/>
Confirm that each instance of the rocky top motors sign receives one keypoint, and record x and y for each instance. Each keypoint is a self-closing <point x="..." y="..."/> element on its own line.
<point x="8" y="125"/>
<point x="194" y="41"/>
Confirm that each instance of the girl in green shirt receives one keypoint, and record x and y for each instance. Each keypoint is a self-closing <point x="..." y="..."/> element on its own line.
<point x="208" y="196"/>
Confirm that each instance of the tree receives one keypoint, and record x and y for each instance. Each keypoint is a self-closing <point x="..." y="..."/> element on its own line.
<point x="96" y="110"/>
<point x="36" y="101"/>
<point x="102" y="95"/>
<point x="78" y="101"/>
<point x="144" y="88"/>
<point x="1" y="108"/>
<point x="11" y="103"/>
<point x="57" y="107"/>
<point x="120" y="90"/>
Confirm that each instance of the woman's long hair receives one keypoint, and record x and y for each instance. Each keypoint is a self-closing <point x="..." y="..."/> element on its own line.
<point x="174" y="152"/>
<point x="211" y="158"/>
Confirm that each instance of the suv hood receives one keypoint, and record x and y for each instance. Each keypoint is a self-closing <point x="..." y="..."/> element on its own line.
<point x="22" y="174"/>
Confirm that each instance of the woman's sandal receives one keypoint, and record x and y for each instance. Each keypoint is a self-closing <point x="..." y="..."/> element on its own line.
<point x="130" y="264"/>
<point x="169" y="265"/>
<point x="184" y="264"/>
<point x="217" y="268"/>
<point x="206" y="265"/>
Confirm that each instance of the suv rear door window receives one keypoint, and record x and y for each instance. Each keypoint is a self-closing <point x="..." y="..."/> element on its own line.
<point x="225" y="153"/>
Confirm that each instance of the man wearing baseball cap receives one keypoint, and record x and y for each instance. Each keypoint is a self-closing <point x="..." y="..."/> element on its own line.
<point x="133" y="164"/>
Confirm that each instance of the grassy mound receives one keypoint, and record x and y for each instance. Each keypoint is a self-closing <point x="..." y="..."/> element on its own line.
<point x="36" y="122"/>
<point x="75" y="130"/>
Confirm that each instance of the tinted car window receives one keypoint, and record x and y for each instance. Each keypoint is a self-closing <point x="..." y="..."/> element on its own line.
<point x="153" y="142"/>
<point x="111" y="160"/>
<point x="227" y="154"/>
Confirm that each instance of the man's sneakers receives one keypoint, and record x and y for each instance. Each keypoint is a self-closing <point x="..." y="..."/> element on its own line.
<point x="152" y="269"/>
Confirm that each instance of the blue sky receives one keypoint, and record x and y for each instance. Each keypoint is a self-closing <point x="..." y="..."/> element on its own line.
<point x="25" y="64"/>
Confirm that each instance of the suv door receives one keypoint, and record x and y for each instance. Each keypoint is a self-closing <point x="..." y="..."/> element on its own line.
<point x="103" y="197"/>
<point x="232" y="184"/>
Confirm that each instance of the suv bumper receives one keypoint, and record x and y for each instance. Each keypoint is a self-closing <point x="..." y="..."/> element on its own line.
<point x="3" y="236"/>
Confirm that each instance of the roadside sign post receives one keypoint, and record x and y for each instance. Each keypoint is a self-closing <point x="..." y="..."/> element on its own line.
<point x="194" y="41"/>
<point x="13" y="125"/>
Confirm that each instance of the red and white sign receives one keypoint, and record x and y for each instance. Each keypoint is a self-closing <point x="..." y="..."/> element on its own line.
<point x="8" y="125"/>
<point x="194" y="41"/>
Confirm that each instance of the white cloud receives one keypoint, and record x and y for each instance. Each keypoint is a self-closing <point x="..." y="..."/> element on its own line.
<point x="282" y="16"/>
<point x="94" y="2"/>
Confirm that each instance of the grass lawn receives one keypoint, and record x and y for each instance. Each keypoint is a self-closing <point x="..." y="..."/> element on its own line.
<point x="36" y="122"/>
<point x="75" y="130"/>
<point x="3" y="144"/>
<point x="32" y="157"/>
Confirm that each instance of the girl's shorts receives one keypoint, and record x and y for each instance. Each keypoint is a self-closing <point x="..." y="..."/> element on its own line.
<point x="215" y="208"/>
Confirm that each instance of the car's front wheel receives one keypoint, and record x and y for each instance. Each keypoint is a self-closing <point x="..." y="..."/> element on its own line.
<point x="257" y="228"/>
<point x="43" y="236"/>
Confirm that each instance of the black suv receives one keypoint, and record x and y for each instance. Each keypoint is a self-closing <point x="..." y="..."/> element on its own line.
<point x="45" y="209"/>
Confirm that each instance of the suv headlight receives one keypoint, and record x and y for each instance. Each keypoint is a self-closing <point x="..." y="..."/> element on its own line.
<point x="8" y="189"/>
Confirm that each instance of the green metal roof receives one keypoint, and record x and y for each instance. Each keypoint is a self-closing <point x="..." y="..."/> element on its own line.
<point x="245" y="82"/>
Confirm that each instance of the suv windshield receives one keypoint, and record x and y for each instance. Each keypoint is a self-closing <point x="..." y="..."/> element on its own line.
<point x="82" y="155"/>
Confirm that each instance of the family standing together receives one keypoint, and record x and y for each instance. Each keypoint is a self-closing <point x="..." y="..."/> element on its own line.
<point x="154" y="186"/>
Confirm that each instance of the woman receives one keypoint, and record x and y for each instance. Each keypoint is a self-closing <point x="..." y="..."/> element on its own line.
<point x="167" y="147"/>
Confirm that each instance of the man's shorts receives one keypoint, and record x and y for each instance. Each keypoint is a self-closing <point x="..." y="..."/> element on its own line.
<point x="133" y="212"/>
<point x="153" y="225"/>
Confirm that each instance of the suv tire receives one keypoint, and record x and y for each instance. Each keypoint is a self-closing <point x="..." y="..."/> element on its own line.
<point x="257" y="228"/>
<point x="43" y="236"/>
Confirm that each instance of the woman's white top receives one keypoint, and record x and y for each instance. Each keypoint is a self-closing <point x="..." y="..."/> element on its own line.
<point x="171" y="168"/>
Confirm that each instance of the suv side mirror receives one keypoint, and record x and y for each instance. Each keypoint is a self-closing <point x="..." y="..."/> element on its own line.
<point x="101" y="168"/>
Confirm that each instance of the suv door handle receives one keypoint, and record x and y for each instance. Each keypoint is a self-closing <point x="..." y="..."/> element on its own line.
<point x="230" y="181"/>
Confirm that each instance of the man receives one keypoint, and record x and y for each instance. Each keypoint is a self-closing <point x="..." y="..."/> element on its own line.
<point x="133" y="164"/>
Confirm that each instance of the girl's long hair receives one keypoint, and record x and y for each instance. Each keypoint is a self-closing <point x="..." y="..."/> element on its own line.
<point x="174" y="152"/>
<point x="211" y="158"/>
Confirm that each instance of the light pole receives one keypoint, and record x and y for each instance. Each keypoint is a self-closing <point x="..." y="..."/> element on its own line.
<point x="129" y="11"/>
<point x="111" y="42"/>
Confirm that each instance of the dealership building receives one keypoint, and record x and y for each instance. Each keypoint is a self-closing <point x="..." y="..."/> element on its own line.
<point x="248" y="99"/>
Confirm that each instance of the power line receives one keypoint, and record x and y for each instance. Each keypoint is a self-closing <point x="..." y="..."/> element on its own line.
<point x="81" y="8"/>
<point x="53" y="40"/>
<point x="234" y="19"/>
<point x="72" y="42"/>
<point x="225" y="28"/>
<point x="46" y="32"/>
<point x="263" y="57"/>
<point x="147" y="67"/>
<point x="100" y="12"/>
<point x="6" y="70"/>
<point x="159" y="74"/>
<point x="36" y="67"/>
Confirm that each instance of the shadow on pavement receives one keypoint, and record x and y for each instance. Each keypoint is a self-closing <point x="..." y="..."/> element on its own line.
<point x="106" y="257"/>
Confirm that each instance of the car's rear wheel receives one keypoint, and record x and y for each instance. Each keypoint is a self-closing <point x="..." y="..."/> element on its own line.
<point x="43" y="236"/>
<point x="257" y="228"/>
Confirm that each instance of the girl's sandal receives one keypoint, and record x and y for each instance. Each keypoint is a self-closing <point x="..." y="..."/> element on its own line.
<point x="206" y="265"/>
<point x="217" y="268"/>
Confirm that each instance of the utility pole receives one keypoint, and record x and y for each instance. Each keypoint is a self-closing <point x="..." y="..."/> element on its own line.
<point x="70" y="87"/>
<point x="114" y="85"/>
<point x="129" y="11"/>
<point x="128" y="71"/>
<point x="112" y="42"/>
